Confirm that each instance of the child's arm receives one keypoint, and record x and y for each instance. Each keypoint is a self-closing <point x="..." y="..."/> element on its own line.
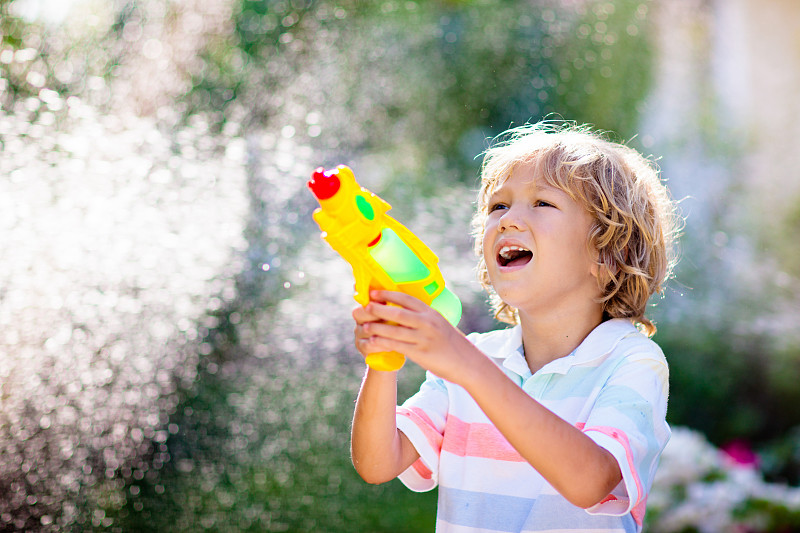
<point x="582" y="471"/>
<point x="379" y="451"/>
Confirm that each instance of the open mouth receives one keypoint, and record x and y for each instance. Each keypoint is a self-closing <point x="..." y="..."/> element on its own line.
<point x="514" y="256"/>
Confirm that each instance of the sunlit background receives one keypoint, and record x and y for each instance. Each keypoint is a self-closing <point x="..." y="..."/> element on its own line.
<point x="175" y="339"/>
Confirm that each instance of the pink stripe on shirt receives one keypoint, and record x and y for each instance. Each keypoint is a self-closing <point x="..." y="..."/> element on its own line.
<point x="477" y="440"/>
<point x="421" y="419"/>
<point x="423" y="471"/>
<point x="638" y="509"/>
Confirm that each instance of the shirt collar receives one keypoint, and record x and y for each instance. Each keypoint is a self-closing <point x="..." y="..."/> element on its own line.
<point x="599" y="343"/>
<point x="509" y="353"/>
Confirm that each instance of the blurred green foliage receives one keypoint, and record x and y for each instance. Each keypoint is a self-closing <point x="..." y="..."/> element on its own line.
<point x="295" y="477"/>
<point x="440" y="75"/>
<point x="13" y="33"/>
<point x="770" y="516"/>
<point x="728" y="384"/>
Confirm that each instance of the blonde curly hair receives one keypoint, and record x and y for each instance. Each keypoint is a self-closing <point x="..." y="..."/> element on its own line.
<point x="635" y="220"/>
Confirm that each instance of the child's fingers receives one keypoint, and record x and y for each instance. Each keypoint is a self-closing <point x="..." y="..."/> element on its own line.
<point x="367" y="313"/>
<point x="389" y="331"/>
<point x="361" y="315"/>
<point x="366" y="343"/>
<point x="377" y="344"/>
<point x="397" y="298"/>
<point x="392" y="313"/>
<point x="370" y="341"/>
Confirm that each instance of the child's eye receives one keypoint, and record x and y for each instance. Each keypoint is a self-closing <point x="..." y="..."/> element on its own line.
<point x="542" y="203"/>
<point x="495" y="207"/>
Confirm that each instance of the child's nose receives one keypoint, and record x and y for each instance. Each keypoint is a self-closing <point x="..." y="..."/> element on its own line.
<point x="509" y="220"/>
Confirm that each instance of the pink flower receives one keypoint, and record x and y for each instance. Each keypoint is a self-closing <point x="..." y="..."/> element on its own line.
<point x="738" y="453"/>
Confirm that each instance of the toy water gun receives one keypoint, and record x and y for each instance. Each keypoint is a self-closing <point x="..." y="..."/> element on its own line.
<point x="384" y="254"/>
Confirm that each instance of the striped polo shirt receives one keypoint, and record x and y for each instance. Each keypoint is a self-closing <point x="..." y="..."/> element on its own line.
<point x="613" y="387"/>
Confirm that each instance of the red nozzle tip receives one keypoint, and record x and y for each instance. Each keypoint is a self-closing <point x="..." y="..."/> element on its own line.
<point x="324" y="184"/>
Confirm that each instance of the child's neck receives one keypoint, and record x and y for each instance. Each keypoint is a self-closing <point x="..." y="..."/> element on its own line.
<point x="545" y="340"/>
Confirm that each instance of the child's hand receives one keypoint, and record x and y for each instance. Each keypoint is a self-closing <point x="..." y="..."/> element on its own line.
<point x="363" y="317"/>
<point x="394" y="321"/>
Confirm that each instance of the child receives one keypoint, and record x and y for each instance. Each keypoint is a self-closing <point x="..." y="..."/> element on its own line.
<point x="556" y="423"/>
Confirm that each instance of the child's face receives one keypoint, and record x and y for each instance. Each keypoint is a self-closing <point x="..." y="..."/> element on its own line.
<point x="535" y="246"/>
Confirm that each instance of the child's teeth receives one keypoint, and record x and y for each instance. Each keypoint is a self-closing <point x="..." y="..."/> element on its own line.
<point x="506" y="249"/>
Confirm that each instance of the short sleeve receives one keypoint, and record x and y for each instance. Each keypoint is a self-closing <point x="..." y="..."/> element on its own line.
<point x="629" y="420"/>
<point x="422" y="419"/>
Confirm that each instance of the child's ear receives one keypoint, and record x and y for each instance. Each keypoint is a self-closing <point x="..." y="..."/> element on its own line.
<point x="607" y="265"/>
<point x="604" y="265"/>
<point x="594" y="269"/>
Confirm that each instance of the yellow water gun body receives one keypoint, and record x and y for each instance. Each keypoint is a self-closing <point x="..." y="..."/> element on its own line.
<point x="384" y="254"/>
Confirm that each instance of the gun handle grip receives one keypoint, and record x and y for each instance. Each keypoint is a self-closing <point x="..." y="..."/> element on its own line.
<point x="385" y="361"/>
